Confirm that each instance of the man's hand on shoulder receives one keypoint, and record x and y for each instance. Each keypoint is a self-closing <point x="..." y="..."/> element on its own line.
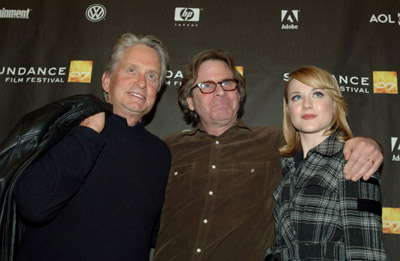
<point x="95" y="122"/>
<point x="363" y="156"/>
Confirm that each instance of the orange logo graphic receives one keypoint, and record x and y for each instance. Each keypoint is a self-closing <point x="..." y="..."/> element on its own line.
<point x="80" y="71"/>
<point x="385" y="82"/>
<point x="240" y="69"/>
<point x="391" y="220"/>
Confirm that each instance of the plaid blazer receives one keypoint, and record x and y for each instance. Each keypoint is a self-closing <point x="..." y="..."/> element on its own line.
<point x="321" y="216"/>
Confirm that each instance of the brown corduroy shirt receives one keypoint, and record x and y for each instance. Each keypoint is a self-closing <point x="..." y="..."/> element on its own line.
<point x="219" y="202"/>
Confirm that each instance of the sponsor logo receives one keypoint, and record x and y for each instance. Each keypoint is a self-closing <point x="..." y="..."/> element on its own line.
<point x="15" y="13"/>
<point x="395" y="147"/>
<point x="352" y="83"/>
<point x="240" y="69"/>
<point x="174" y="78"/>
<point x="187" y="16"/>
<point x="385" y="19"/>
<point x="80" y="71"/>
<point x="391" y="220"/>
<point x="290" y="19"/>
<point x="385" y="82"/>
<point x="33" y="74"/>
<point x="96" y="13"/>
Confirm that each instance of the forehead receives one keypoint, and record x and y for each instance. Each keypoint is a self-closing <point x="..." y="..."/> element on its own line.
<point x="141" y="55"/>
<point x="214" y="70"/>
<point x="296" y="85"/>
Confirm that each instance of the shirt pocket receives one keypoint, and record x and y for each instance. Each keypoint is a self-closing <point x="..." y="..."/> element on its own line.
<point x="250" y="182"/>
<point x="179" y="184"/>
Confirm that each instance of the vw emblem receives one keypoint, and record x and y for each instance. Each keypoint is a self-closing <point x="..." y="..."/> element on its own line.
<point x="96" y="12"/>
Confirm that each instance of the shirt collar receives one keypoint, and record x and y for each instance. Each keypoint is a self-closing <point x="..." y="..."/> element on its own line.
<point x="200" y="128"/>
<point x="330" y="146"/>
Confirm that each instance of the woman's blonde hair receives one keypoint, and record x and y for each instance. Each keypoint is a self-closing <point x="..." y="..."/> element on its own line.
<point x="320" y="79"/>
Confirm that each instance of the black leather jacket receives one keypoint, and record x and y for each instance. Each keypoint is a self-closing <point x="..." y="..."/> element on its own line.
<point x="34" y="135"/>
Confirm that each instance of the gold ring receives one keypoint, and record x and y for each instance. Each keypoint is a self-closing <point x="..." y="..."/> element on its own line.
<point x="372" y="161"/>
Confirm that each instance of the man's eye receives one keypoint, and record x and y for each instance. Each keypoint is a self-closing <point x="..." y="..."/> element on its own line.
<point x="206" y="85"/>
<point x="152" y="77"/>
<point x="130" y="70"/>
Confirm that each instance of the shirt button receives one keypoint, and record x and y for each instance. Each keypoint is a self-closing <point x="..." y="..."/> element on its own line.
<point x="213" y="166"/>
<point x="176" y="173"/>
<point x="217" y="142"/>
<point x="205" y="221"/>
<point x="252" y="170"/>
<point x="210" y="193"/>
<point x="198" y="250"/>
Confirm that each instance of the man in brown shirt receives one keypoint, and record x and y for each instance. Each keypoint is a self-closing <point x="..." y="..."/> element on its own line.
<point x="219" y="201"/>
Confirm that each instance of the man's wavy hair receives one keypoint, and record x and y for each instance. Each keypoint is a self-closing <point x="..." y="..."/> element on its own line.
<point x="190" y="77"/>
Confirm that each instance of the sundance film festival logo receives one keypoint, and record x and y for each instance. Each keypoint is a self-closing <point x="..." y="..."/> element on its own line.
<point x="187" y="17"/>
<point x="385" y="82"/>
<point x="395" y="146"/>
<point x="391" y="220"/>
<point x="80" y="71"/>
<point x="347" y="83"/>
<point x="96" y="13"/>
<point x="290" y="19"/>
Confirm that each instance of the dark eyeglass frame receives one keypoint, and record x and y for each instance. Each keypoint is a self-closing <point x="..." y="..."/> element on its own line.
<point x="236" y="81"/>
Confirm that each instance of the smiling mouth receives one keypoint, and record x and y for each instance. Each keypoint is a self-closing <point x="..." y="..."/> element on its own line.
<point x="137" y="95"/>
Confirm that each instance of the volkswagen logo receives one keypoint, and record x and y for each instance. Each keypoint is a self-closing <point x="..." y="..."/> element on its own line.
<point x="96" y="13"/>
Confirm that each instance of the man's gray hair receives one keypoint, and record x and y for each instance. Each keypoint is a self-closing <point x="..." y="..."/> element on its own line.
<point x="129" y="40"/>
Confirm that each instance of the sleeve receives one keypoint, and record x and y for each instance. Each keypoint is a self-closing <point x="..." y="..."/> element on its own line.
<point x="48" y="184"/>
<point x="361" y="209"/>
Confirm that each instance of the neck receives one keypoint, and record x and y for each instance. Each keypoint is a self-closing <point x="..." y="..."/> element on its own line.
<point x="309" y="141"/>
<point x="131" y="121"/>
<point x="217" y="129"/>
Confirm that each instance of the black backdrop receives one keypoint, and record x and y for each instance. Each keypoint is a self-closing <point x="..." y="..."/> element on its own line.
<point x="53" y="49"/>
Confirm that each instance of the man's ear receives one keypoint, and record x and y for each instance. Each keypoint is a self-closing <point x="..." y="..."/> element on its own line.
<point x="189" y="101"/>
<point x="105" y="81"/>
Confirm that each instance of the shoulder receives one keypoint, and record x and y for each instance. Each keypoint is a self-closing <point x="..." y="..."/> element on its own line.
<point x="177" y="137"/>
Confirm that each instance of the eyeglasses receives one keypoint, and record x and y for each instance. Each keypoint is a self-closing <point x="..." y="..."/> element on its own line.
<point x="210" y="87"/>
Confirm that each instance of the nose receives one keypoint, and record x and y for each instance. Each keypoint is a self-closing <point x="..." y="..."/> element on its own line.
<point x="219" y="91"/>
<point x="141" y="81"/>
<point x="307" y="104"/>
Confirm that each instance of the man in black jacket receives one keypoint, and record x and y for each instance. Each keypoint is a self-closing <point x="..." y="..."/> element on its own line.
<point x="97" y="194"/>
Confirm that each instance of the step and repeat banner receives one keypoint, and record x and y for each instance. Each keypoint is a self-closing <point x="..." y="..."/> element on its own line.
<point x="53" y="49"/>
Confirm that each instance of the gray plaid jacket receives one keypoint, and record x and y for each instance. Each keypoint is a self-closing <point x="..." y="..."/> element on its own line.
<point x="321" y="216"/>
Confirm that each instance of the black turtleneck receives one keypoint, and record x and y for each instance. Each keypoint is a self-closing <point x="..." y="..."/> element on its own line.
<point x="94" y="196"/>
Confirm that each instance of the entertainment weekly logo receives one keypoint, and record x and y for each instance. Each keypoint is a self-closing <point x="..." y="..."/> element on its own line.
<point x="79" y="72"/>
<point x="187" y="16"/>
<point x="15" y="13"/>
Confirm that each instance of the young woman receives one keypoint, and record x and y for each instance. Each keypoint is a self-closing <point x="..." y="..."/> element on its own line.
<point x="318" y="214"/>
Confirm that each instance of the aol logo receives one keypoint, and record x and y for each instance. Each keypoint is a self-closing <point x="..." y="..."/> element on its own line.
<point x="96" y="13"/>
<point x="383" y="19"/>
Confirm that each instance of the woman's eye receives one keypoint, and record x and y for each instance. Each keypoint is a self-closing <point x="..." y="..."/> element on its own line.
<point x="296" y="98"/>
<point x="318" y="94"/>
